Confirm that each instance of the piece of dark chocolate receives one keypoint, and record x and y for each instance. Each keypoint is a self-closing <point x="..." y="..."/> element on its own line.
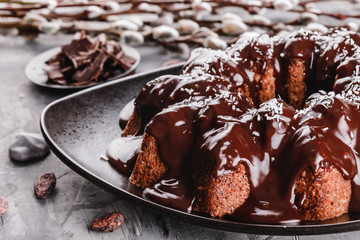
<point x="87" y="60"/>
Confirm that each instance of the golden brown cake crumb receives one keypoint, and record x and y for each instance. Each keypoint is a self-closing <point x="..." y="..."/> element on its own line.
<point x="133" y="125"/>
<point x="326" y="194"/>
<point x="296" y="84"/>
<point x="148" y="167"/>
<point x="221" y="196"/>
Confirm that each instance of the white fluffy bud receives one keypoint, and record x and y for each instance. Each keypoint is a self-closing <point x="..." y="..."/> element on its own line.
<point x="138" y="21"/>
<point x="123" y="24"/>
<point x="166" y="18"/>
<point x="283" y="5"/>
<point x="256" y="3"/>
<point x="352" y="26"/>
<point x="51" y="4"/>
<point x="180" y="49"/>
<point x="215" y="43"/>
<point x="98" y="26"/>
<point x="249" y="35"/>
<point x="258" y="19"/>
<point x="310" y="6"/>
<point x="150" y="8"/>
<point x="94" y="11"/>
<point x="49" y="27"/>
<point x="187" y="26"/>
<point x="317" y="27"/>
<point x="42" y="11"/>
<point x="259" y="30"/>
<point x="69" y="10"/>
<point x="308" y="17"/>
<point x="31" y="17"/>
<point x="132" y="38"/>
<point x="165" y="33"/>
<point x="233" y="27"/>
<point x="204" y="32"/>
<point x="200" y="6"/>
<point x="283" y="27"/>
<point x="114" y="6"/>
<point x="230" y="16"/>
<point x="315" y="10"/>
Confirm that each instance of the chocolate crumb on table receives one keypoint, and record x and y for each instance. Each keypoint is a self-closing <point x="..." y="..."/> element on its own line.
<point x="45" y="185"/>
<point x="108" y="222"/>
<point x="3" y="206"/>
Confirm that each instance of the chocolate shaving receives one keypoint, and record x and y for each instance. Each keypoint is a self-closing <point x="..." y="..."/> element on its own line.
<point x="87" y="60"/>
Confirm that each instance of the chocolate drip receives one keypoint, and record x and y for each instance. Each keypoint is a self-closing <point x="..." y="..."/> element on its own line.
<point x="168" y="90"/>
<point x="256" y="140"/>
<point x="176" y="132"/>
<point x="333" y="54"/>
<point x="122" y="153"/>
<point x="327" y="136"/>
<point x="125" y="113"/>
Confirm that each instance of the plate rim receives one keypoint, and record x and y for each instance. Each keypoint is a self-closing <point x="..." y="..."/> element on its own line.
<point x="233" y="226"/>
<point x="54" y="50"/>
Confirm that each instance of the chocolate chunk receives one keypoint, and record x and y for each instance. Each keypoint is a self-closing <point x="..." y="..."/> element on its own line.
<point x="87" y="60"/>
<point x="54" y="59"/>
<point x="54" y="71"/>
<point x="122" y="59"/>
<point x="3" y="206"/>
<point x="28" y="146"/>
<point x="77" y="50"/>
<point x="45" y="185"/>
<point x="108" y="222"/>
<point x="93" y="71"/>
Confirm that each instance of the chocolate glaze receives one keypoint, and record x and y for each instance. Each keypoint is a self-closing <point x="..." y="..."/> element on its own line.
<point x="122" y="153"/>
<point x="337" y="119"/>
<point x="256" y="141"/>
<point x="205" y="125"/>
<point x="125" y="113"/>
<point x="178" y="128"/>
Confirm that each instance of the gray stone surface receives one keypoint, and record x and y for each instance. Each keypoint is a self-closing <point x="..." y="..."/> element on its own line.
<point x="28" y="146"/>
<point x="68" y="213"/>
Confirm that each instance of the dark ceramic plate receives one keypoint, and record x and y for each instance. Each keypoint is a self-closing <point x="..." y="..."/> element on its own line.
<point x="34" y="70"/>
<point x="79" y="128"/>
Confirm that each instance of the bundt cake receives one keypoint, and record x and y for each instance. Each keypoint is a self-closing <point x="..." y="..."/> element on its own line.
<point x="265" y="131"/>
